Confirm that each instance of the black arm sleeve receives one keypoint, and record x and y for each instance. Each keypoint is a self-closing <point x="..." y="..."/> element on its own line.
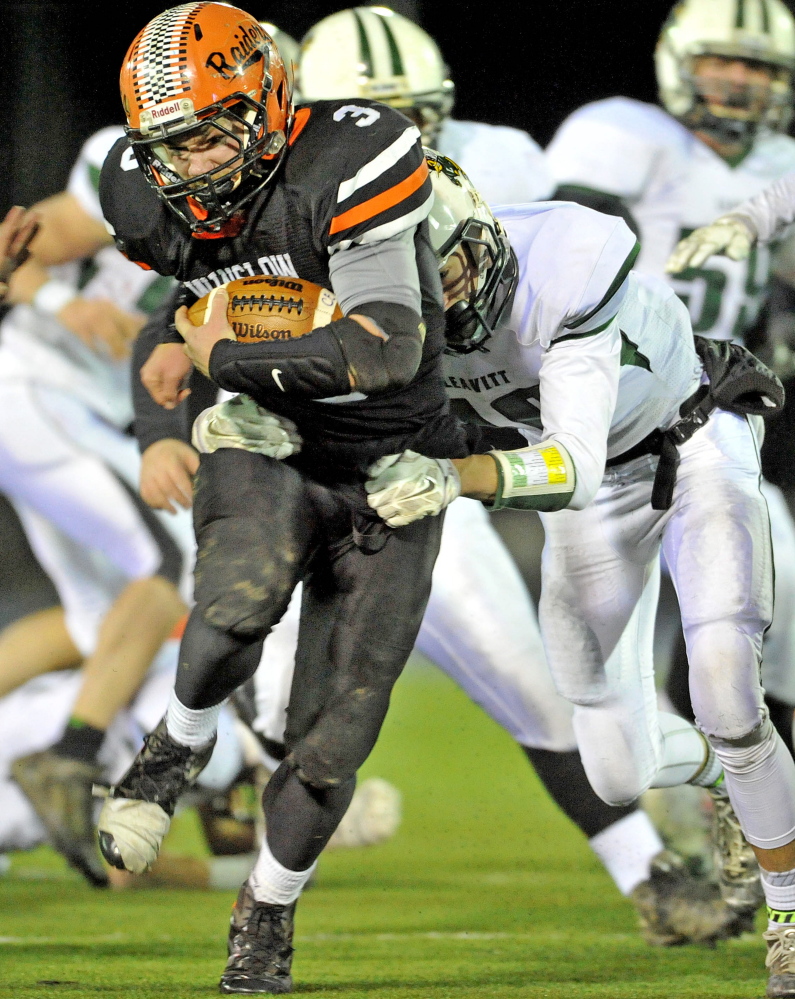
<point x="322" y="363"/>
<point x="607" y="204"/>
<point x="153" y="422"/>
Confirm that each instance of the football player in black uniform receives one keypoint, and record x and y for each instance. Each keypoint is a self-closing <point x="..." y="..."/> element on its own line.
<point x="219" y="179"/>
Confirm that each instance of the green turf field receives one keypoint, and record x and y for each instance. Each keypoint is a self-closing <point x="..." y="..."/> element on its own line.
<point x="485" y="892"/>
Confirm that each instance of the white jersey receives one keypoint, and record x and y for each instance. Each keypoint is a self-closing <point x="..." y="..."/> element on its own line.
<point x="505" y="164"/>
<point x="672" y="182"/>
<point x="36" y="348"/>
<point x="592" y="355"/>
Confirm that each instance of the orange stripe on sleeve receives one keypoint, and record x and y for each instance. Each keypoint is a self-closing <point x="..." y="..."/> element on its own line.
<point x="179" y="628"/>
<point x="381" y="202"/>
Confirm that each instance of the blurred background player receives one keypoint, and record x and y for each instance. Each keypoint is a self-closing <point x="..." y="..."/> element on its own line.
<point x="724" y="71"/>
<point x="70" y="466"/>
<point x="374" y="53"/>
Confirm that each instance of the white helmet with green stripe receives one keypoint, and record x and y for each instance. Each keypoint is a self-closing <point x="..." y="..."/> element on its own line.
<point x="288" y="49"/>
<point x="374" y="53"/>
<point x="760" y="32"/>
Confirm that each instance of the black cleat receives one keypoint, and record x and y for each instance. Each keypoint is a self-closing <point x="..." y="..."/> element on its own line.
<point x="135" y="818"/>
<point x="260" y="947"/>
<point x="59" y="788"/>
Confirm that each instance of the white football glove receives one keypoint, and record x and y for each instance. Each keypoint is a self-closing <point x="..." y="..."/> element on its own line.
<point x="405" y="487"/>
<point x="732" y="235"/>
<point x="240" y="422"/>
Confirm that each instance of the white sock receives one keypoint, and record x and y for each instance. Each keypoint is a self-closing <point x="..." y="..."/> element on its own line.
<point x="687" y="756"/>
<point x="273" y="883"/>
<point x="779" y="889"/>
<point x="627" y="848"/>
<point x="189" y="726"/>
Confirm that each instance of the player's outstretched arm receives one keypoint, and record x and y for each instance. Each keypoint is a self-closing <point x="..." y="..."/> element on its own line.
<point x="732" y="235"/>
<point x="761" y="218"/>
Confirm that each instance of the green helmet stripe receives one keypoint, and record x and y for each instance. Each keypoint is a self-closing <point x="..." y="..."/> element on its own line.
<point x="739" y="21"/>
<point x="365" y="54"/>
<point x="765" y="16"/>
<point x="394" y="51"/>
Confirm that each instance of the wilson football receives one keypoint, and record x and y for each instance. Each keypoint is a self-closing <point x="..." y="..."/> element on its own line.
<point x="273" y="308"/>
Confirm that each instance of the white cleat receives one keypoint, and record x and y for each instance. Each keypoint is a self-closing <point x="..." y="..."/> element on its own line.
<point x="131" y="833"/>
<point x="373" y="816"/>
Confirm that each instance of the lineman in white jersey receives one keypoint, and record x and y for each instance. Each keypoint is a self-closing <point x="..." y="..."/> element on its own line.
<point x="724" y="71"/>
<point x="71" y="470"/>
<point x="597" y="367"/>
<point x="480" y="626"/>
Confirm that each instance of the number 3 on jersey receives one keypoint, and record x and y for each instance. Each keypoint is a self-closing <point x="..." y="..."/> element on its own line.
<point x="366" y="116"/>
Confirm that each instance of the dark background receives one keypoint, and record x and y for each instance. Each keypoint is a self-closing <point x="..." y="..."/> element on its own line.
<point x="526" y="64"/>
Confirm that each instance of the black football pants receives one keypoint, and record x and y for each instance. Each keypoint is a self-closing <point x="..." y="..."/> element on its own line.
<point x="261" y="526"/>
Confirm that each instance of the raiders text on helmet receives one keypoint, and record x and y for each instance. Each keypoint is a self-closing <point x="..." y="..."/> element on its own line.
<point x="475" y="258"/>
<point x="374" y="53"/>
<point x="760" y="32"/>
<point x="206" y="73"/>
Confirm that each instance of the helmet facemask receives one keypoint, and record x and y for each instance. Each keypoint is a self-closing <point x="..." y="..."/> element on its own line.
<point x="733" y="113"/>
<point x="478" y="270"/>
<point x="477" y="265"/>
<point x="207" y="200"/>
<point x="204" y="87"/>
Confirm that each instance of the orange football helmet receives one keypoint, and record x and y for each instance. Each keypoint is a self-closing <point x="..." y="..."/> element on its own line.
<point x="206" y="73"/>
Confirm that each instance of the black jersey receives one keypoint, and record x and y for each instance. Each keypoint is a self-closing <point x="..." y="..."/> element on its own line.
<point x="353" y="173"/>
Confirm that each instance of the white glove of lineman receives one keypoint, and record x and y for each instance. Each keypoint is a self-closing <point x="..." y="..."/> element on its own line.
<point x="406" y="487"/>
<point x="240" y="422"/>
<point x="730" y="234"/>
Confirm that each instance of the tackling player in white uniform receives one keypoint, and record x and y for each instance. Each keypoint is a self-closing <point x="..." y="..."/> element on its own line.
<point x="596" y="366"/>
<point x="724" y="70"/>
<point x="71" y="470"/>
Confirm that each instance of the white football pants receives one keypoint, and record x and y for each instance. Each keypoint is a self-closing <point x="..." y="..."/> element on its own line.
<point x="60" y="466"/>
<point x="599" y="572"/>
<point x="480" y="627"/>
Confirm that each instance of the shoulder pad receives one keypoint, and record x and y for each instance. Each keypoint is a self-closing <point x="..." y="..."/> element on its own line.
<point x="129" y="204"/>
<point x="364" y="161"/>
<point x="572" y="264"/>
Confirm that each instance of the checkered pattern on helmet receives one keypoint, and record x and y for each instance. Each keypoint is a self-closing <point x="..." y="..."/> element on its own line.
<point x="161" y="54"/>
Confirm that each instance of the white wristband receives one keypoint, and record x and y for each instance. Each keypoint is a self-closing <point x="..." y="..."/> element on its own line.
<point x="53" y="296"/>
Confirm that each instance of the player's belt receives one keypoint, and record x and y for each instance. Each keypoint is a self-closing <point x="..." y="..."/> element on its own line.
<point x="738" y="382"/>
<point x="665" y="443"/>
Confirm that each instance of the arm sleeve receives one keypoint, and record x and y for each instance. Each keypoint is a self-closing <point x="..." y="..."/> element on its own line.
<point x="377" y="272"/>
<point x="578" y="391"/>
<point x="771" y="211"/>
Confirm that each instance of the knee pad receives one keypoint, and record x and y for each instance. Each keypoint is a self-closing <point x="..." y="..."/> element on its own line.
<point x="243" y="580"/>
<point x="341" y="738"/>
<point x="745" y="753"/>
